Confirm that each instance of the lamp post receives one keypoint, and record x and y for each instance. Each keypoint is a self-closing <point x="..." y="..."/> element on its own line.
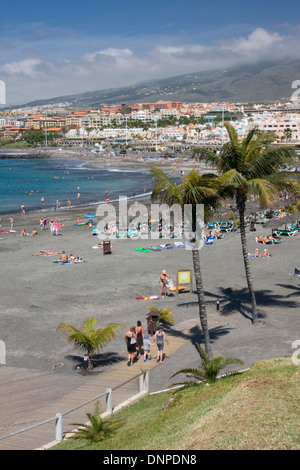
<point x="156" y="133"/>
<point x="222" y="126"/>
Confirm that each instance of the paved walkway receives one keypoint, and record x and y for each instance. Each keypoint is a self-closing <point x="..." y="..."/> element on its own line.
<point x="28" y="397"/>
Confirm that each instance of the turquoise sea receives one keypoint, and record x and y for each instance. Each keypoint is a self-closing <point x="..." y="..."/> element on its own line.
<point x="26" y="181"/>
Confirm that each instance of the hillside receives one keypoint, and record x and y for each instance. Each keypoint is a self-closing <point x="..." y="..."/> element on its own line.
<point x="256" y="410"/>
<point x="254" y="83"/>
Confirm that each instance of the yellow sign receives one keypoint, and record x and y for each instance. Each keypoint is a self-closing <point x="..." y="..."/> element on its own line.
<point x="184" y="277"/>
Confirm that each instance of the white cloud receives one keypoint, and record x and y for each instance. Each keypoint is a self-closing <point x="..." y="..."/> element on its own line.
<point x="24" y="67"/>
<point x="110" y="52"/>
<point x="109" y="67"/>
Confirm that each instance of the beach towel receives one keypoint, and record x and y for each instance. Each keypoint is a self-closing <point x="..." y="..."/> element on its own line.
<point x="209" y="241"/>
<point x="142" y="250"/>
<point x="154" y="248"/>
<point x="96" y="247"/>
<point x="170" y="284"/>
<point x="166" y="246"/>
<point x="179" y="244"/>
<point x="153" y="297"/>
<point x="68" y="262"/>
<point x="173" y="289"/>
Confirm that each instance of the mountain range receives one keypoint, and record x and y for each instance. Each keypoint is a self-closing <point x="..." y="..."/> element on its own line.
<point x="263" y="82"/>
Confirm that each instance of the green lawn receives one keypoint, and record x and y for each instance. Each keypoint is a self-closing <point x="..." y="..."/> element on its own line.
<point x="258" y="409"/>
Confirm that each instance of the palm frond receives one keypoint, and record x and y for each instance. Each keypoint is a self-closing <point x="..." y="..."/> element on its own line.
<point x="208" y="156"/>
<point x="233" y="136"/>
<point x="191" y="372"/>
<point x="164" y="188"/>
<point x="266" y="191"/>
<point x="271" y="160"/>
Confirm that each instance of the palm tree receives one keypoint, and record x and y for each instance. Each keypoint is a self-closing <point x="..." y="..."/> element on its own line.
<point x="194" y="190"/>
<point x="210" y="368"/>
<point x="165" y="315"/>
<point x="88" y="338"/>
<point x="97" y="429"/>
<point x="253" y="166"/>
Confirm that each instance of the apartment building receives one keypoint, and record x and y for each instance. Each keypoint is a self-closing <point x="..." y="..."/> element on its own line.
<point x="280" y="123"/>
<point x="39" y="121"/>
<point x="91" y="120"/>
<point x="74" y="119"/>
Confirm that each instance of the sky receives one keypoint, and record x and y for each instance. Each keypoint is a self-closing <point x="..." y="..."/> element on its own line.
<point x="50" y="49"/>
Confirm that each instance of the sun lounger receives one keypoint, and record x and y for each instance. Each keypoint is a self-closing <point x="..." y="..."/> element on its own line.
<point x="226" y="229"/>
<point x="295" y="228"/>
<point x="264" y="240"/>
<point x="288" y="233"/>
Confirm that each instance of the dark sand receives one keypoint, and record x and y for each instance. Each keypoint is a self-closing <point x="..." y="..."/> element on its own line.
<point x="37" y="295"/>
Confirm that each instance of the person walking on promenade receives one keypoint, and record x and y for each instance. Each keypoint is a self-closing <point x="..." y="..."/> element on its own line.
<point x="146" y="347"/>
<point x="160" y="339"/>
<point x="130" y="338"/>
<point x="139" y="330"/>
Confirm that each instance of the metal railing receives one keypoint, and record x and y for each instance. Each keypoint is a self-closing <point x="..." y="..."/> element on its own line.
<point x="143" y="377"/>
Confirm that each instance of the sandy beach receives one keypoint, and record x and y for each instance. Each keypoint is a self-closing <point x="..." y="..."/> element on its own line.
<point x="38" y="294"/>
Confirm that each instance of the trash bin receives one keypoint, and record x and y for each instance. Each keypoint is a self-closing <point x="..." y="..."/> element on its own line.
<point x="106" y="248"/>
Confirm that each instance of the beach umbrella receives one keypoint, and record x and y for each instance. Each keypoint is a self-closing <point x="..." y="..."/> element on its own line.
<point x="90" y="215"/>
<point x="276" y="223"/>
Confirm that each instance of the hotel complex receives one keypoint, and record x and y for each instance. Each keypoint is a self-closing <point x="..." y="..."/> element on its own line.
<point x="193" y="123"/>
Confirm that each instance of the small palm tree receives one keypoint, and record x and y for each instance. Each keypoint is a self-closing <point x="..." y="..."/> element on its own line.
<point x="210" y="368"/>
<point x="97" y="429"/>
<point x="90" y="339"/>
<point x="165" y="315"/>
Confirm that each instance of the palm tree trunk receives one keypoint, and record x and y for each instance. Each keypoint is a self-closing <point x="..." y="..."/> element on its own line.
<point x="201" y="301"/>
<point x="241" y="204"/>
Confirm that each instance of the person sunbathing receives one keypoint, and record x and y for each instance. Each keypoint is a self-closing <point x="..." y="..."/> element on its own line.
<point x="34" y="233"/>
<point x="63" y="257"/>
<point x="77" y="260"/>
<point x="47" y="253"/>
<point x="256" y="253"/>
<point x="265" y="254"/>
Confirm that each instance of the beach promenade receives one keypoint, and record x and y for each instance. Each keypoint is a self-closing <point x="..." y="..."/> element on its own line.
<point x="40" y="377"/>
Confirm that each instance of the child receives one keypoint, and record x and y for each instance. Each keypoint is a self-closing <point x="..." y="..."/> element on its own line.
<point x="146" y="346"/>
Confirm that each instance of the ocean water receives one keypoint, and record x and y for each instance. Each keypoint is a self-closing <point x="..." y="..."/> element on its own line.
<point x="27" y="181"/>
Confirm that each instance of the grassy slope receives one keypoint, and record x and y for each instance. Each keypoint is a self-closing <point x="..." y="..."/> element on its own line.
<point x="258" y="409"/>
